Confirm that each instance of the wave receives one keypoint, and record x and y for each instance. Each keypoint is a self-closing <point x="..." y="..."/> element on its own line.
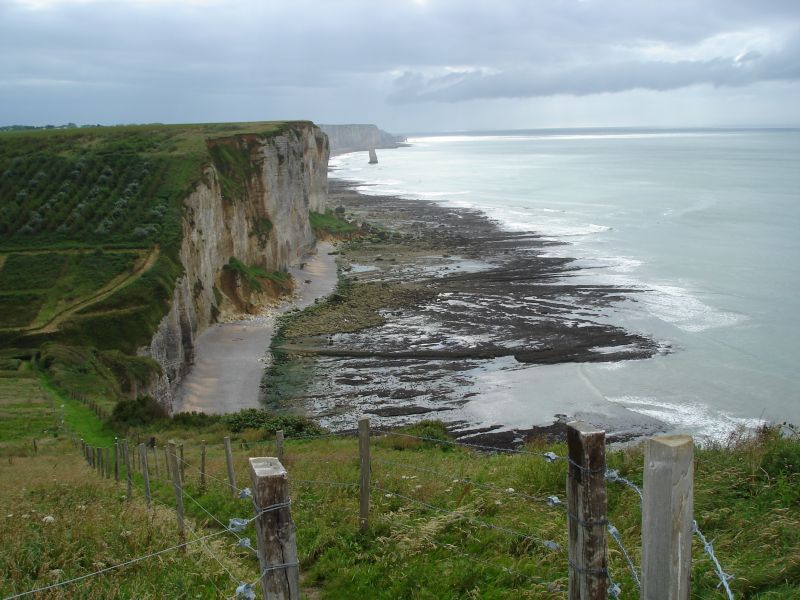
<point x="694" y="417"/>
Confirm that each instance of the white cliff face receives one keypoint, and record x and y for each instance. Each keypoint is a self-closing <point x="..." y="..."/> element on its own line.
<point x="353" y="138"/>
<point x="287" y="179"/>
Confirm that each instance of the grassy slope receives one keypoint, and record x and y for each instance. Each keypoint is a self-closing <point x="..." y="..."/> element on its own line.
<point x="411" y="551"/>
<point x="66" y="192"/>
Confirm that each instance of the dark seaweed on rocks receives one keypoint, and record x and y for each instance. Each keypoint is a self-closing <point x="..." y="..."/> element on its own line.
<point x="433" y="292"/>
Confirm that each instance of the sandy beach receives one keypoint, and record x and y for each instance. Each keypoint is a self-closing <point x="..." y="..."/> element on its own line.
<point x="231" y="357"/>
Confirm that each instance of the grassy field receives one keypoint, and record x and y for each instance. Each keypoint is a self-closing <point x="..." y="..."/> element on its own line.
<point x="50" y="283"/>
<point x="446" y="522"/>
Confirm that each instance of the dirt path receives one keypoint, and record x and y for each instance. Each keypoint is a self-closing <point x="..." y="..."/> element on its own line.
<point x="230" y="358"/>
<point x="104" y="292"/>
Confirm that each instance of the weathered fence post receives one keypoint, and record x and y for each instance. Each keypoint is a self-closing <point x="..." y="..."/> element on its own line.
<point x="279" y="445"/>
<point x="203" y="467"/>
<point x="587" y="512"/>
<point x="116" y="459"/>
<point x="98" y="460"/>
<point x="35" y="447"/>
<point x="167" y="470"/>
<point x="667" y="514"/>
<point x="145" y="472"/>
<point x="363" y="455"/>
<point x="107" y="462"/>
<point x="128" y="474"/>
<point x="229" y="463"/>
<point x="275" y="530"/>
<point x="172" y="459"/>
<point x="155" y="460"/>
<point x="182" y="470"/>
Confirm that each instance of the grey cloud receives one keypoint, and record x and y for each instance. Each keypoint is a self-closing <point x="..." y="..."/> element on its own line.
<point x="152" y="60"/>
<point x="749" y="68"/>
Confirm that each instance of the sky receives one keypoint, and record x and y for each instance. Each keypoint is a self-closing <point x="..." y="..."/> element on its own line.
<point x="405" y="65"/>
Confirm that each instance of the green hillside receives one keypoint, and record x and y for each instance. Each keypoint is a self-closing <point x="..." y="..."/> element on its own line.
<point x="90" y="230"/>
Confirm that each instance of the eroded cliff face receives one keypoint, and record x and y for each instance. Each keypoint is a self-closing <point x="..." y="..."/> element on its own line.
<point x="252" y="205"/>
<point x="353" y="138"/>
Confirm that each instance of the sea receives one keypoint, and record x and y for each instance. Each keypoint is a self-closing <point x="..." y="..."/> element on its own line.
<point x="704" y="225"/>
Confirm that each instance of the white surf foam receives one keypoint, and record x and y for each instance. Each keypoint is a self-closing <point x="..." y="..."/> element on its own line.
<point x="695" y="418"/>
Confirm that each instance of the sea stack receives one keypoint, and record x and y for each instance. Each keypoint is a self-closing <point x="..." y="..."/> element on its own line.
<point x="373" y="158"/>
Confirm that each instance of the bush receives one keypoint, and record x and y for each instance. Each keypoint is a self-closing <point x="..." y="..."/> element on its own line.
<point x="133" y="413"/>
<point x="256" y="418"/>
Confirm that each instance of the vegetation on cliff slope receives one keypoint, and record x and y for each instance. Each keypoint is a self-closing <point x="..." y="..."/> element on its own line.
<point x="90" y="230"/>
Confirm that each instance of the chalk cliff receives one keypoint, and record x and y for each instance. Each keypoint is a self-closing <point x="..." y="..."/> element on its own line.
<point x="353" y="138"/>
<point x="253" y="205"/>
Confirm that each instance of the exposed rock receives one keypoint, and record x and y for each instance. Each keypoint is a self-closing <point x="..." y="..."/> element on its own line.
<point x="288" y="179"/>
<point x="373" y="157"/>
<point x="354" y="138"/>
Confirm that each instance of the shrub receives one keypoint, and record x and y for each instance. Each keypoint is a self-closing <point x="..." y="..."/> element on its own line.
<point x="134" y="413"/>
<point x="256" y="418"/>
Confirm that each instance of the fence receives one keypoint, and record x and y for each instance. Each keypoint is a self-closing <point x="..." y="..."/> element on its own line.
<point x="666" y="500"/>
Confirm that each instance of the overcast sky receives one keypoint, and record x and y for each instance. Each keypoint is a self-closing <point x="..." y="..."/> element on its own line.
<point x="406" y="65"/>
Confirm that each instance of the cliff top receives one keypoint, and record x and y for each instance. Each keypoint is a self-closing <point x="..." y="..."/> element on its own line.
<point x="105" y="186"/>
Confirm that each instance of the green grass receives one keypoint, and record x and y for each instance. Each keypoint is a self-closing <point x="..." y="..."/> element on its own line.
<point x="410" y="551"/>
<point x="18" y="310"/>
<point x="253" y="275"/>
<point x="329" y="223"/>
<point x="36" y="287"/>
<point x="26" y="410"/>
<point x="31" y="271"/>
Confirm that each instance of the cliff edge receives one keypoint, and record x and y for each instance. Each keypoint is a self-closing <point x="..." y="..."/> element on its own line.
<point x="251" y="210"/>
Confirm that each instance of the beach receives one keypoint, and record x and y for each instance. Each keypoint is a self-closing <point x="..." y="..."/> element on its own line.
<point x="231" y="356"/>
<point x="440" y="300"/>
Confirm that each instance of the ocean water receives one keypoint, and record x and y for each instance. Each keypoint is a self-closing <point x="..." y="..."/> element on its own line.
<point x="705" y="225"/>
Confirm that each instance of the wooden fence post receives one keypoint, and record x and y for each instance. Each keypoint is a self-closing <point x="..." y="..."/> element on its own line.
<point x="145" y="472"/>
<point x="172" y="459"/>
<point x="667" y="515"/>
<point x="155" y="460"/>
<point x="275" y="531"/>
<point x="35" y="447"/>
<point x="203" y="467"/>
<point x="107" y="462"/>
<point x="279" y="445"/>
<point x="229" y="463"/>
<point x="98" y="460"/>
<point x="182" y="470"/>
<point x="167" y="473"/>
<point x="116" y="459"/>
<point x="587" y="512"/>
<point x="128" y="474"/>
<point x="365" y="468"/>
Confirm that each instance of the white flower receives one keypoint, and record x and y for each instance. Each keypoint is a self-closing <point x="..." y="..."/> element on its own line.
<point x="510" y="490"/>
<point x="389" y="495"/>
<point x="49" y="519"/>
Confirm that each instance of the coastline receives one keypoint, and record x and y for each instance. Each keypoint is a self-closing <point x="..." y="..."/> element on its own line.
<point x="456" y="300"/>
<point x="230" y="357"/>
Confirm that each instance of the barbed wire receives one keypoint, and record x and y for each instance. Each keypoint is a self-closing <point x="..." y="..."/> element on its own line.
<point x="724" y="577"/>
<point x="613" y="476"/>
<point x="113" y="567"/>
<point x="460" y="479"/>
<point x="615" y="535"/>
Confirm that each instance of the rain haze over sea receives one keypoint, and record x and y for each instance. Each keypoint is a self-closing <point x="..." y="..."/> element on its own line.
<point x="704" y="224"/>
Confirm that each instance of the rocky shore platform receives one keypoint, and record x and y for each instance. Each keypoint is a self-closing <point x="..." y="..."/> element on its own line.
<point x="429" y="298"/>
